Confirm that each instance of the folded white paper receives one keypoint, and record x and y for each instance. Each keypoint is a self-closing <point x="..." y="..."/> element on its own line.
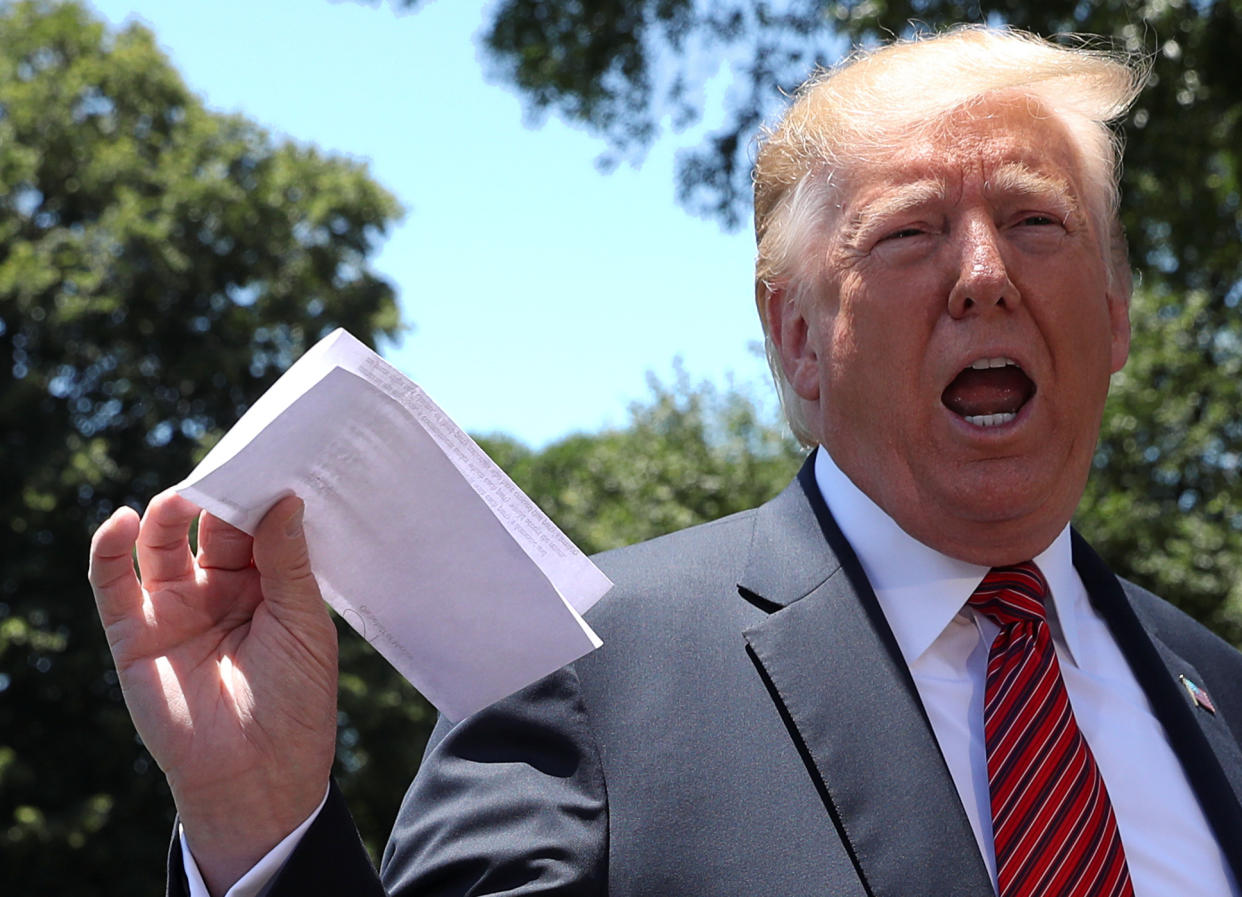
<point x="417" y="538"/>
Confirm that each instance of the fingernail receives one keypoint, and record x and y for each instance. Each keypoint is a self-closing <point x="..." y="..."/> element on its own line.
<point x="293" y="526"/>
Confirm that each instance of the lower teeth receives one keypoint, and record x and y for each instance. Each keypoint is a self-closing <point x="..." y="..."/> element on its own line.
<point x="991" y="420"/>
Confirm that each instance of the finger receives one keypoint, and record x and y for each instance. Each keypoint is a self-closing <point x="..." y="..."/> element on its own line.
<point x="111" y="572"/>
<point x="283" y="560"/>
<point x="163" y="539"/>
<point x="222" y="546"/>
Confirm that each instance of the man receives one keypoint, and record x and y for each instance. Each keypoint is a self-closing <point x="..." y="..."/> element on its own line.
<point x="904" y="675"/>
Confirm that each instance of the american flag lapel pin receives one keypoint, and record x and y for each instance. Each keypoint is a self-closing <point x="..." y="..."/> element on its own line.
<point x="1198" y="695"/>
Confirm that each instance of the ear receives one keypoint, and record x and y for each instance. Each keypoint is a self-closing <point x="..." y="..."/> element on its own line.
<point x="1119" y="320"/>
<point x="794" y="340"/>
<point x="1117" y="294"/>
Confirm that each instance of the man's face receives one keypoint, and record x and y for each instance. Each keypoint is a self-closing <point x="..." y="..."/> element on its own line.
<point x="960" y="351"/>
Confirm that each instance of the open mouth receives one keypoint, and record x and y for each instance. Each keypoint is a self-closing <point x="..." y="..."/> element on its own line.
<point x="990" y="392"/>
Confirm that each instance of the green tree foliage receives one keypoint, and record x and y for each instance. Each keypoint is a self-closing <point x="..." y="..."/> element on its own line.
<point x="1165" y="502"/>
<point x="690" y="454"/>
<point x="160" y="264"/>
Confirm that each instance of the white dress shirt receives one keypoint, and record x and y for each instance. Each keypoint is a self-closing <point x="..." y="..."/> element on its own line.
<point x="1169" y="845"/>
<point x="254" y="883"/>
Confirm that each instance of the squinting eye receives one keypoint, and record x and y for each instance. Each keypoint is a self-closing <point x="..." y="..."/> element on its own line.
<point x="904" y="232"/>
<point x="1039" y="221"/>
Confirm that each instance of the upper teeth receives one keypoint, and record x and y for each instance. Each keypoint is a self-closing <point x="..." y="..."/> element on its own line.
<point x="984" y="363"/>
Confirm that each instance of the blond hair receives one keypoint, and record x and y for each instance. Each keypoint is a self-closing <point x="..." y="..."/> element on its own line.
<point x="873" y="100"/>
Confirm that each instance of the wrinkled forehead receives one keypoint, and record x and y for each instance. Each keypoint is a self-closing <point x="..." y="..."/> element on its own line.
<point x="1006" y="133"/>
<point x="1008" y="145"/>
<point x="1010" y="122"/>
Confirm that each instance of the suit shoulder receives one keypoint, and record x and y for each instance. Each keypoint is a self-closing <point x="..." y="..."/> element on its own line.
<point x="670" y="575"/>
<point x="1179" y="630"/>
<point x="698" y="551"/>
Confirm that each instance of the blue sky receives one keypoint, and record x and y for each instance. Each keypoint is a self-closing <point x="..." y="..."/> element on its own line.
<point x="541" y="292"/>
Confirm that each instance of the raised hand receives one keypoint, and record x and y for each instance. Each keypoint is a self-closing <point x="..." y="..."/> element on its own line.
<point x="228" y="664"/>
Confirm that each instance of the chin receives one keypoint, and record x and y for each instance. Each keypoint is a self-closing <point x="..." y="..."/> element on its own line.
<point x="1001" y="488"/>
<point x="1007" y="526"/>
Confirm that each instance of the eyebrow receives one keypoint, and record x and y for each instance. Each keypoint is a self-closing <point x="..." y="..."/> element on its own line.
<point x="1018" y="179"/>
<point x="1015" y="178"/>
<point x="894" y="202"/>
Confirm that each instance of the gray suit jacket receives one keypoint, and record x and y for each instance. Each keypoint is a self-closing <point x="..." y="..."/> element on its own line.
<point x="749" y="727"/>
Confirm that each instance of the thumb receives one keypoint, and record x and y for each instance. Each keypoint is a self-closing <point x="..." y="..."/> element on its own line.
<point x="283" y="560"/>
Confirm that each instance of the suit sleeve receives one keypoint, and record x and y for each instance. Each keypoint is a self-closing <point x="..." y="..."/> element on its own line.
<point x="510" y="801"/>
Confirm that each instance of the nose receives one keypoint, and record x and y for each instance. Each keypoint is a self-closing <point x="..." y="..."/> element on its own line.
<point x="983" y="278"/>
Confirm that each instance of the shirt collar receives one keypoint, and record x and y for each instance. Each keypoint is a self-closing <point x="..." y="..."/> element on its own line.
<point x="922" y="594"/>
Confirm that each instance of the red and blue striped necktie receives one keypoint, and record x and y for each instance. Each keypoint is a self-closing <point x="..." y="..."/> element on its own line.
<point x="1053" y="826"/>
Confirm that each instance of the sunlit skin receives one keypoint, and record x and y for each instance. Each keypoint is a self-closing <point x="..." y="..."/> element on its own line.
<point x="972" y="244"/>
<point x="206" y="646"/>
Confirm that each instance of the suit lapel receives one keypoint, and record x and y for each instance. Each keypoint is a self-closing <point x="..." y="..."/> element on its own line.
<point x="833" y="668"/>
<point x="836" y="674"/>
<point x="1208" y="751"/>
